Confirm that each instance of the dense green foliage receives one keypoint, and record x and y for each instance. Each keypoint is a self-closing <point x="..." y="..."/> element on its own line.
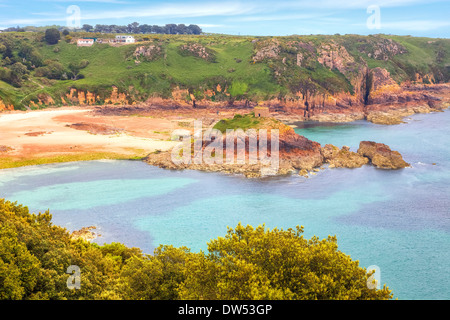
<point x="238" y="65"/>
<point x="52" y="36"/>
<point x="244" y="122"/>
<point x="248" y="263"/>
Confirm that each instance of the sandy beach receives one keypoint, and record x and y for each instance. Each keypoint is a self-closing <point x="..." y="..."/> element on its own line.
<point x="48" y="133"/>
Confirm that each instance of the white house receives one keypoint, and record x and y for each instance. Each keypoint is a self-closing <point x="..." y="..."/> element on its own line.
<point x="125" y="39"/>
<point x="85" y="42"/>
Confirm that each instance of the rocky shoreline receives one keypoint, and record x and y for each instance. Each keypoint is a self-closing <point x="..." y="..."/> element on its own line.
<point x="387" y="115"/>
<point x="296" y="155"/>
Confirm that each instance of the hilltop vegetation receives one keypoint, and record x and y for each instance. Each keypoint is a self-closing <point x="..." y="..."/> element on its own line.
<point x="216" y="68"/>
<point x="248" y="263"/>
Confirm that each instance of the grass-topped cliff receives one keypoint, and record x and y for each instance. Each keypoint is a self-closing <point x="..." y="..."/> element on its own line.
<point x="215" y="68"/>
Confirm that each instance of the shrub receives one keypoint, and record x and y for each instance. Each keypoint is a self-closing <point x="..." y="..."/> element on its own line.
<point x="52" y="36"/>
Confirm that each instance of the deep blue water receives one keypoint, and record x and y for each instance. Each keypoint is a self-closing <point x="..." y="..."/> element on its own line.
<point x="397" y="220"/>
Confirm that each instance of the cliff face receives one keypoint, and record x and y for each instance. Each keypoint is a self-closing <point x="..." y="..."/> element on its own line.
<point x="5" y="107"/>
<point x="372" y="89"/>
<point x="383" y="95"/>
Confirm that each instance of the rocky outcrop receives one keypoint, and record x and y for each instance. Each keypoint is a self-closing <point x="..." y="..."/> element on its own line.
<point x="199" y="51"/>
<point x="342" y="158"/>
<point x="380" y="48"/>
<point x="384" y="118"/>
<point x="390" y="103"/>
<point x="269" y="49"/>
<point x="84" y="234"/>
<point x="148" y="53"/>
<point x="5" y="107"/>
<point x="164" y="160"/>
<point x="335" y="56"/>
<point x="295" y="153"/>
<point x="86" y="98"/>
<point x="298" y="152"/>
<point x="381" y="156"/>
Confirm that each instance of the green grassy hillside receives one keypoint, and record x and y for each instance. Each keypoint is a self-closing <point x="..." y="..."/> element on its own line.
<point x="254" y="68"/>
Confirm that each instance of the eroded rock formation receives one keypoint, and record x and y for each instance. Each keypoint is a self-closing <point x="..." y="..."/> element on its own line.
<point x="381" y="156"/>
<point x="342" y="158"/>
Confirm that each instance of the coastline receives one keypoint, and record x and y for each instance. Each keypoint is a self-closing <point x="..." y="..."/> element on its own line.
<point x="49" y="136"/>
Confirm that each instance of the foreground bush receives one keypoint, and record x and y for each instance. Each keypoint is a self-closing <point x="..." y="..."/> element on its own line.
<point x="248" y="263"/>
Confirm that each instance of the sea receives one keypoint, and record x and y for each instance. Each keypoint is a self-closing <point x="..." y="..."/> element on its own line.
<point x="396" y="220"/>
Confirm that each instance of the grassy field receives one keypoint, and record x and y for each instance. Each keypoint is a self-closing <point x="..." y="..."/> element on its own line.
<point x="8" y="162"/>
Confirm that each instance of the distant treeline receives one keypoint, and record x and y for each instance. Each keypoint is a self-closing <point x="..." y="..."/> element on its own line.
<point x="134" y="27"/>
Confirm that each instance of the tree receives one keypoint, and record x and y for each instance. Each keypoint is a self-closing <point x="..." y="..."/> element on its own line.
<point x="194" y="29"/>
<point x="52" y="36"/>
<point x="30" y="54"/>
<point x="248" y="263"/>
<point x="75" y="69"/>
<point x="19" y="269"/>
<point x="170" y="28"/>
<point x="66" y="32"/>
<point x="133" y="27"/>
<point x="19" y="72"/>
<point x="157" y="29"/>
<point x="51" y="70"/>
<point x="144" y="28"/>
<point x="87" y="27"/>
<point x="255" y="263"/>
<point x="182" y="29"/>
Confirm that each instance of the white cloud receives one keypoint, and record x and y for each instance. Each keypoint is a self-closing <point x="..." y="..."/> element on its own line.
<point x="206" y="25"/>
<point x="350" y="4"/>
<point x="162" y="11"/>
<point x="31" y="21"/>
<point x="94" y="1"/>
<point x="410" y="25"/>
<point x="173" y="10"/>
<point x="415" y="25"/>
<point x="278" y="17"/>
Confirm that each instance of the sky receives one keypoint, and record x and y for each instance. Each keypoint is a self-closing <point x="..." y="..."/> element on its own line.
<point x="428" y="18"/>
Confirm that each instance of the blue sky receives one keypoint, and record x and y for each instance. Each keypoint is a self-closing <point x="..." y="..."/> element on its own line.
<point x="251" y="17"/>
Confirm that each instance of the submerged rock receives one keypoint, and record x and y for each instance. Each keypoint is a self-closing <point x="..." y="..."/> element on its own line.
<point x="384" y="118"/>
<point x="381" y="155"/>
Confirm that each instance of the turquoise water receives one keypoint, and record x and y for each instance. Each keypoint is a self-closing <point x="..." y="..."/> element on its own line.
<point x="397" y="220"/>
